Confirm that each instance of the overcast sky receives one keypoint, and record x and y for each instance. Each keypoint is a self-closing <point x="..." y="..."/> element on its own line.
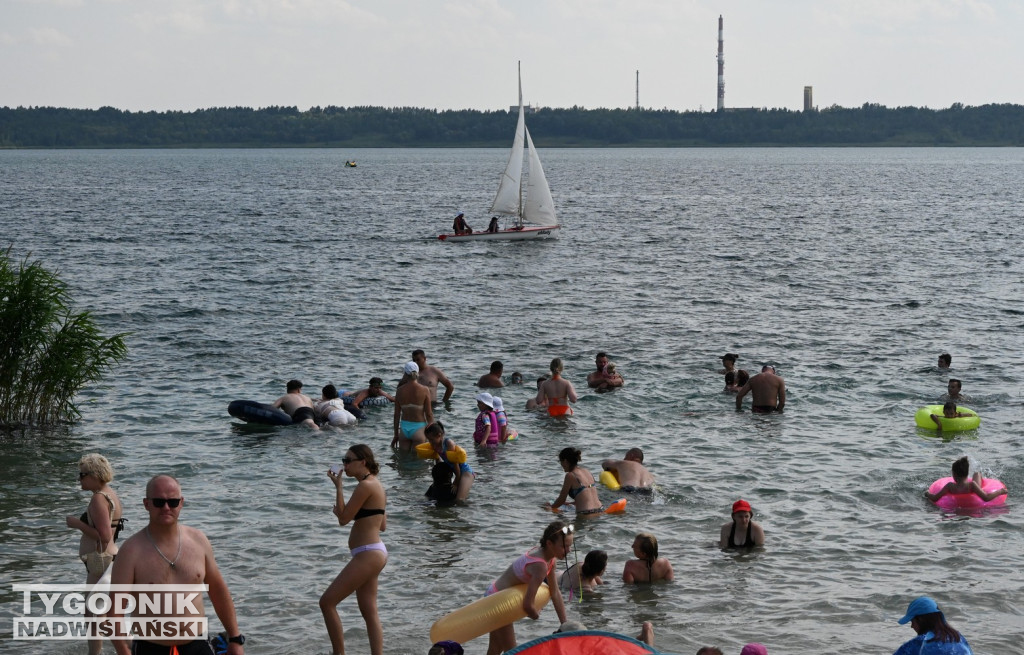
<point x="459" y="54"/>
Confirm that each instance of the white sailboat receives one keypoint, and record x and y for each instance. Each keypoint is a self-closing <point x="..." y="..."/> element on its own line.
<point x="532" y="213"/>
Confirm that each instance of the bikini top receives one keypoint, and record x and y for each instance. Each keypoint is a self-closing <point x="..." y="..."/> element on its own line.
<point x="364" y="512"/>
<point x="117" y="525"/>
<point x="524" y="560"/>
<point x="578" y="490"/>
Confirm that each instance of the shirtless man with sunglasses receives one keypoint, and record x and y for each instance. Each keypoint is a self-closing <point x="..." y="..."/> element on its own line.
<point x="166" y="552"/>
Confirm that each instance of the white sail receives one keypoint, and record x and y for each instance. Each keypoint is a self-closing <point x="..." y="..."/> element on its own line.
<point x="507" y="200"/>
<point x="540" y="207"/>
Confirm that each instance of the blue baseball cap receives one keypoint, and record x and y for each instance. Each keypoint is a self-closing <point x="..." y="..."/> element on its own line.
<point x="917" y="607"/>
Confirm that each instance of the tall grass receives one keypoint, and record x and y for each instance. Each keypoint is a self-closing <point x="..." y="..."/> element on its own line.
<point x="47" y="352"/>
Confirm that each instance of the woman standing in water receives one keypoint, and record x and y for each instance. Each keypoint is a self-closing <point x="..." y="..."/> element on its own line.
<point x="532" y="568"/>
<point x="578" y="484"/>
<point x="100" y="523"/>
<point x="556" y="393"/>
<point x="365" y="508"/>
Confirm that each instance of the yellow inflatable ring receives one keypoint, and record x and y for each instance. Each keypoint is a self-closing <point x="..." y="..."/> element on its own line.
<point x="609" y="480"/>
<point x="923" y="418"/>
<point x="426" y="451"/>
<point x="489" y="613"/>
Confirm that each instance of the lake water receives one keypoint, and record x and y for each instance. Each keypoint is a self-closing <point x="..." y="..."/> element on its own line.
<point x="849" y="269"/>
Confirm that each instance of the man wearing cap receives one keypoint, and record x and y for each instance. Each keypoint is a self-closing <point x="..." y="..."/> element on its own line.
<point x="297" y="405"/>
<point x="413" y="410"/>
<point x="600" y="379"/>
<point x="934" y="635"/>
<point x="741" y="533"/>
<point x="769" y="392"/>
<point x="431" y="376"/>
<point x="375" y="390"/>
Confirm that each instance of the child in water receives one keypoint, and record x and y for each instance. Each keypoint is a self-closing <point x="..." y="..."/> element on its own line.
<point x="961" y="485"/>
<point x="442" y="490"/>
<point x="584" y="577"/>
<point x="610" y="374"/>
<point x="648" y="567"/>
<point x="948" y="411"/>
<point x="487" y="432"/>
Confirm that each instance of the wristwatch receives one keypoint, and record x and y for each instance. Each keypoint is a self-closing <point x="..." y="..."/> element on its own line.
<point x="237" y="639"/>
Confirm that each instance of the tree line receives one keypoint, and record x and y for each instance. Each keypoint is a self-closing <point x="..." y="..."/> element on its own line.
<point x="868" y="125"/>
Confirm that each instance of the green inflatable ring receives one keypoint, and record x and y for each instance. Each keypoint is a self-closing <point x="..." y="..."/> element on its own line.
<point x="923" y="418"/>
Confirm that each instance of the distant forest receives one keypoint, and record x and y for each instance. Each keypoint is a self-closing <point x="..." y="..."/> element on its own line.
<point x="336" y="127"/>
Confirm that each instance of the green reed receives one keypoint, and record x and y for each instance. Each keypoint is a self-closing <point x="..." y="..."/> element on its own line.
<point x="47" y="351"/>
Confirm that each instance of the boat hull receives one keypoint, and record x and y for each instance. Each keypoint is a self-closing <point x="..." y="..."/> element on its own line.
<point x="525" y="234"/>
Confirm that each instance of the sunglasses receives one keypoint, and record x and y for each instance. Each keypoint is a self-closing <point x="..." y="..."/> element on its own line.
<point x="348" y="460"/>
<point x="569" y="529"/>
<point x="160" y="502"/>
<point x="82" y="474"/>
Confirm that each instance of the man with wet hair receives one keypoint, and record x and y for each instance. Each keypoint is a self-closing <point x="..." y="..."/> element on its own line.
<point x="945" y="360"/>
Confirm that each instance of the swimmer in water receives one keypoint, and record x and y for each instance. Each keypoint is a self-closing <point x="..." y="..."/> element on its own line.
<point x="742" y="532"/>
<point x="948" y="411"/>
<point x="441" y="445"/>
<point x="556" y="393"/>
<point x="961" y="485"/>
<point x="648" y="567"/>
<point x="578" y="485"/>
<point x="537" y="402"/>
<point x="586" y="576"/>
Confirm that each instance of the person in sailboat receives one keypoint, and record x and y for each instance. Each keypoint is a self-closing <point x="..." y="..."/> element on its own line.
<point x="493" y="226"/>
<point x="459" y="226"/>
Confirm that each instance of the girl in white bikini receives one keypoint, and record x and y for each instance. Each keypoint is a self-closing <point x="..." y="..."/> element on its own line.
<point x="365" y="509"/>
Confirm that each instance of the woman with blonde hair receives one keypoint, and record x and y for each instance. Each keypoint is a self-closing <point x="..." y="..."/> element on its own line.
<point x="648" y="567"/>
<point x="100" y="524"/>
<point x="556" y="393"/>
<point x="365" y="510"/>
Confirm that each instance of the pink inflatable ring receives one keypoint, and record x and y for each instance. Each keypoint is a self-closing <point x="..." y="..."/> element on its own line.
<point x="968" y="501"/>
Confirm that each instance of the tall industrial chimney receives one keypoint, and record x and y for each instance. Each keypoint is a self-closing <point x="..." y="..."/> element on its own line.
<point x="721" y="67"/>
<point x="638" y="90"/>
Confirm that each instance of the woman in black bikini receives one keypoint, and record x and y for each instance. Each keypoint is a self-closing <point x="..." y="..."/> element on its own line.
<point x="742" y="532"/>
<point x="577" y="485"/>
<point x="100" y="523"/>
<point x="365" y="508"/>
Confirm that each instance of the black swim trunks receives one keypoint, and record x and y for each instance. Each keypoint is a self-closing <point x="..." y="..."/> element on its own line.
<point x="197" y="647"/>
<point x="643" y="491"/>
<point x="763" y="409"/>
<point x="302" y="413"/>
